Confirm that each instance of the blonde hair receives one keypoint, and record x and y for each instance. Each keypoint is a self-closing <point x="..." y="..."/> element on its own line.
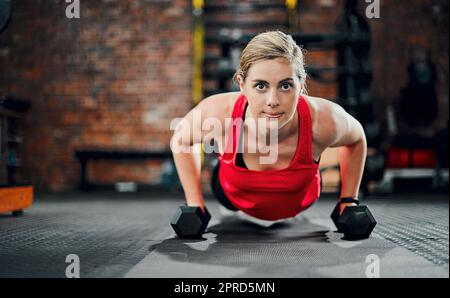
<point x="272" y="45"/>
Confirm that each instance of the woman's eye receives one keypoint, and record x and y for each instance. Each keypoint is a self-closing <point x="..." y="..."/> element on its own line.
<point x="260" y="86"/>
<point x="286" y="87"/>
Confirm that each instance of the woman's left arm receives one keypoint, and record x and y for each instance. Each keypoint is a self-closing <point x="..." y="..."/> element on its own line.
<point x="337" y="128"/>
<point x="352" y="143"/>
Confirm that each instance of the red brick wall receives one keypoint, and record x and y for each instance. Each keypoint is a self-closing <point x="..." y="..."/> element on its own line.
<point x="320" y="17"/>
<point x="113" y="78"/>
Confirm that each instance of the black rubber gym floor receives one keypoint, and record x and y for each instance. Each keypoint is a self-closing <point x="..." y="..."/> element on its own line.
<point x="128" y="235"/>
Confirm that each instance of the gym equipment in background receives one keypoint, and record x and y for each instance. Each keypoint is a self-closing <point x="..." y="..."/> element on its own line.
<point x="15" y="196"/>
<point x="5" y="14"/>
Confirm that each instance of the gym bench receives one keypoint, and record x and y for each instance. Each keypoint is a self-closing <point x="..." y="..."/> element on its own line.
<point x="84" y="156"/>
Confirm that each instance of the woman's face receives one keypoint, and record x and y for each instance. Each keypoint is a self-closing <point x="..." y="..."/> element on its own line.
<point x="272" y="89"/>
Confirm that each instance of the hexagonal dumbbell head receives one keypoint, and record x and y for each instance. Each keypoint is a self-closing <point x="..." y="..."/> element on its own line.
<point x="189" y="222"/>
<point x="357" y="222"/>
<point x="208" y="216"/>
<point x="335" y="216"/>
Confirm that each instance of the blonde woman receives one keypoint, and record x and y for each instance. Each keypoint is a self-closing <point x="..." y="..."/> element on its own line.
<point x="272" y="81"/>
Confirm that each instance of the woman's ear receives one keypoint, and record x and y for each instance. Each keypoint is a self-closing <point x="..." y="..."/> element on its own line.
<point x="302" y="87"/>
<point x="240" y="82"/>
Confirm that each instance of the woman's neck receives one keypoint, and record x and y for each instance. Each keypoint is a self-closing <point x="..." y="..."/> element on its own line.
<point x="289" y="129"/>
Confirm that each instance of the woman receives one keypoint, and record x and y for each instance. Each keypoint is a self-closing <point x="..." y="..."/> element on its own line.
<point x="272" y="81"/>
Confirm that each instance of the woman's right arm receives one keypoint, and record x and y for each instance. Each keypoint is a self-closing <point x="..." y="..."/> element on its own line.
<point x="186" y="143"/>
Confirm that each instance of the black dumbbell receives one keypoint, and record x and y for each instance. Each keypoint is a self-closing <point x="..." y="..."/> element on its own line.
<point x="356" y="222"/>
<point x="335" y="216"/>
<point x="190" y="222"/>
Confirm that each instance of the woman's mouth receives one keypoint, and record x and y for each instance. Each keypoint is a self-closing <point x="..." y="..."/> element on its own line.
<point x="273" y="115"/>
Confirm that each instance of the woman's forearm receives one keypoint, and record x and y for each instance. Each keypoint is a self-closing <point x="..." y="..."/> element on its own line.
<point x="189" y="171"/>
<point x="352" y="159"/>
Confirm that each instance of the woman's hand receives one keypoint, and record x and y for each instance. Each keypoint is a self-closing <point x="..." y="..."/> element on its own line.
<point x="202" y="206"/>
<point x="343" y="205"/>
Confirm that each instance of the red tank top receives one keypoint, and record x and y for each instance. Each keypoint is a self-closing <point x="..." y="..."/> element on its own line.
<point x="271" y="194"/>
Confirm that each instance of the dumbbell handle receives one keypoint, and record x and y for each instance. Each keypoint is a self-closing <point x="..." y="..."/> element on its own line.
<point x="337" y="209"/>
<point x="205" y="211"/>
<point x="354" y="200"/>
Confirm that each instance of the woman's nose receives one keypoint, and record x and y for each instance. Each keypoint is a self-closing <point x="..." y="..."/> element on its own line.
<point x="272" y="100"/>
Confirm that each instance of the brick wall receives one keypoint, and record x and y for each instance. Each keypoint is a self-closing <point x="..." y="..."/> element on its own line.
<point x="320" y="17"/>
<point x="113" y="78"/>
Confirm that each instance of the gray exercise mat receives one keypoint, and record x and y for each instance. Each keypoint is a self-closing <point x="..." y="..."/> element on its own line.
<point x="300" y="247"/>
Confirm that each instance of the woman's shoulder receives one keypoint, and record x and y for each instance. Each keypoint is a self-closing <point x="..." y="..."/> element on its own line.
<point x="315" y="103"/>
<point x="322" y="117"/>
<point x="321" y="108"/>
<point x="314" y="106"/>
<point x="219" y="105"/>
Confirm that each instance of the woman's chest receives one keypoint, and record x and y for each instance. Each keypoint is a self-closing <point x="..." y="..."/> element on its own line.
<point x="267" y="155"/>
